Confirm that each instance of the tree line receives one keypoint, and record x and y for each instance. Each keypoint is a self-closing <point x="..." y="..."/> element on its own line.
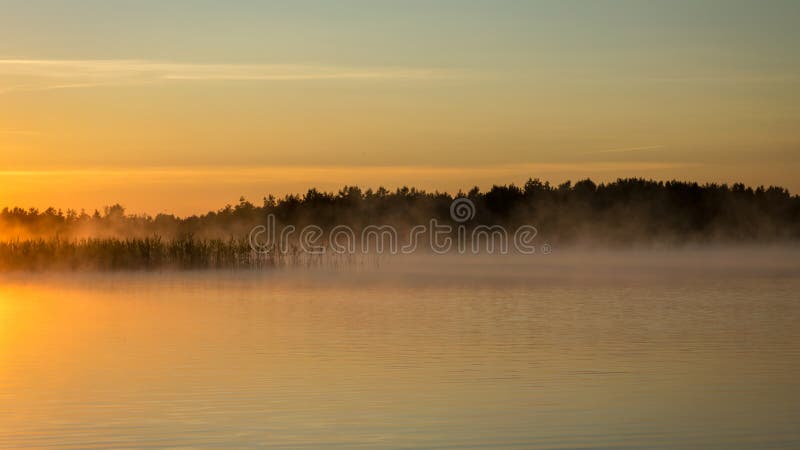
<point x="631" y="210"/>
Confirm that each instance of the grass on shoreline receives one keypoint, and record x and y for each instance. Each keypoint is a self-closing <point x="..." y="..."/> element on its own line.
<point x="138" y="254"/>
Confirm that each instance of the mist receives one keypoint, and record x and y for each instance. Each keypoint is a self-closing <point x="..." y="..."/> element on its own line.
<point x="629" y="214"/>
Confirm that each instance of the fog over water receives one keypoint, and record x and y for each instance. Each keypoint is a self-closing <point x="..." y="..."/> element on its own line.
<point x="691" y="348"/>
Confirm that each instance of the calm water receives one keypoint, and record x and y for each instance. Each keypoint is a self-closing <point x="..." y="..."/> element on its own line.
<point x="480" y="356"/>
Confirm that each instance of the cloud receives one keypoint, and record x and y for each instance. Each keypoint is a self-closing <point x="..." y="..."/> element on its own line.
<point x="19" y="132"/>
<point x="735" y="78"/>
<point x="44" y="74"/>
<point x="627" y="149"/>
<point x="304" y="172"/>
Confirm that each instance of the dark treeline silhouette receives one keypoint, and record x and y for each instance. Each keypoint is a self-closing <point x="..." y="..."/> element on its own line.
<point x="624" y="211"/>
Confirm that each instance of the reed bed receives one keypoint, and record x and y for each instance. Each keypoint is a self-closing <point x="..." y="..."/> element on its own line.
<point x="133" y="254"/>
<point x="187" y="253"/>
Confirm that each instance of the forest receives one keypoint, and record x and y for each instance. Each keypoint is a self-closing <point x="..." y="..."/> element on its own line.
<point x="626" y="212"/>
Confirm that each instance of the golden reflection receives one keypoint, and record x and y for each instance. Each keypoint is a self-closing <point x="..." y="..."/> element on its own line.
<point x="249" y="359"/>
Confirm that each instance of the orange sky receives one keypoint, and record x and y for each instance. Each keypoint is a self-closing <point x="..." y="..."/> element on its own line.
<point x="134" y="104"/>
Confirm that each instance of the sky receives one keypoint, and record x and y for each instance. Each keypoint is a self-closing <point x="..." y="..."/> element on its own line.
<point x="184" y="106"/>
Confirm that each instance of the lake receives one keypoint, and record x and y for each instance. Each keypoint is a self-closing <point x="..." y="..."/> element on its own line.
<point x="688" y="349"/>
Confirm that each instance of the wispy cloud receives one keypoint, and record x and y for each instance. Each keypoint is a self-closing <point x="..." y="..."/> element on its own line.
<point x="733" y="78"/>
<point x="43" y="74"/>
<point x="627" y="149"/>
<point x="337" y="172"/>
<point x="19" y="132"/>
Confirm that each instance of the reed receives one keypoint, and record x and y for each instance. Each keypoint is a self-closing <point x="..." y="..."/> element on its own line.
<point x="135" y="254"/>
<point x="626" y="212"/>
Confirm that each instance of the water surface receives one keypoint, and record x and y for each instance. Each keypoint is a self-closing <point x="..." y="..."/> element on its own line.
<point x="484" y="355"/>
